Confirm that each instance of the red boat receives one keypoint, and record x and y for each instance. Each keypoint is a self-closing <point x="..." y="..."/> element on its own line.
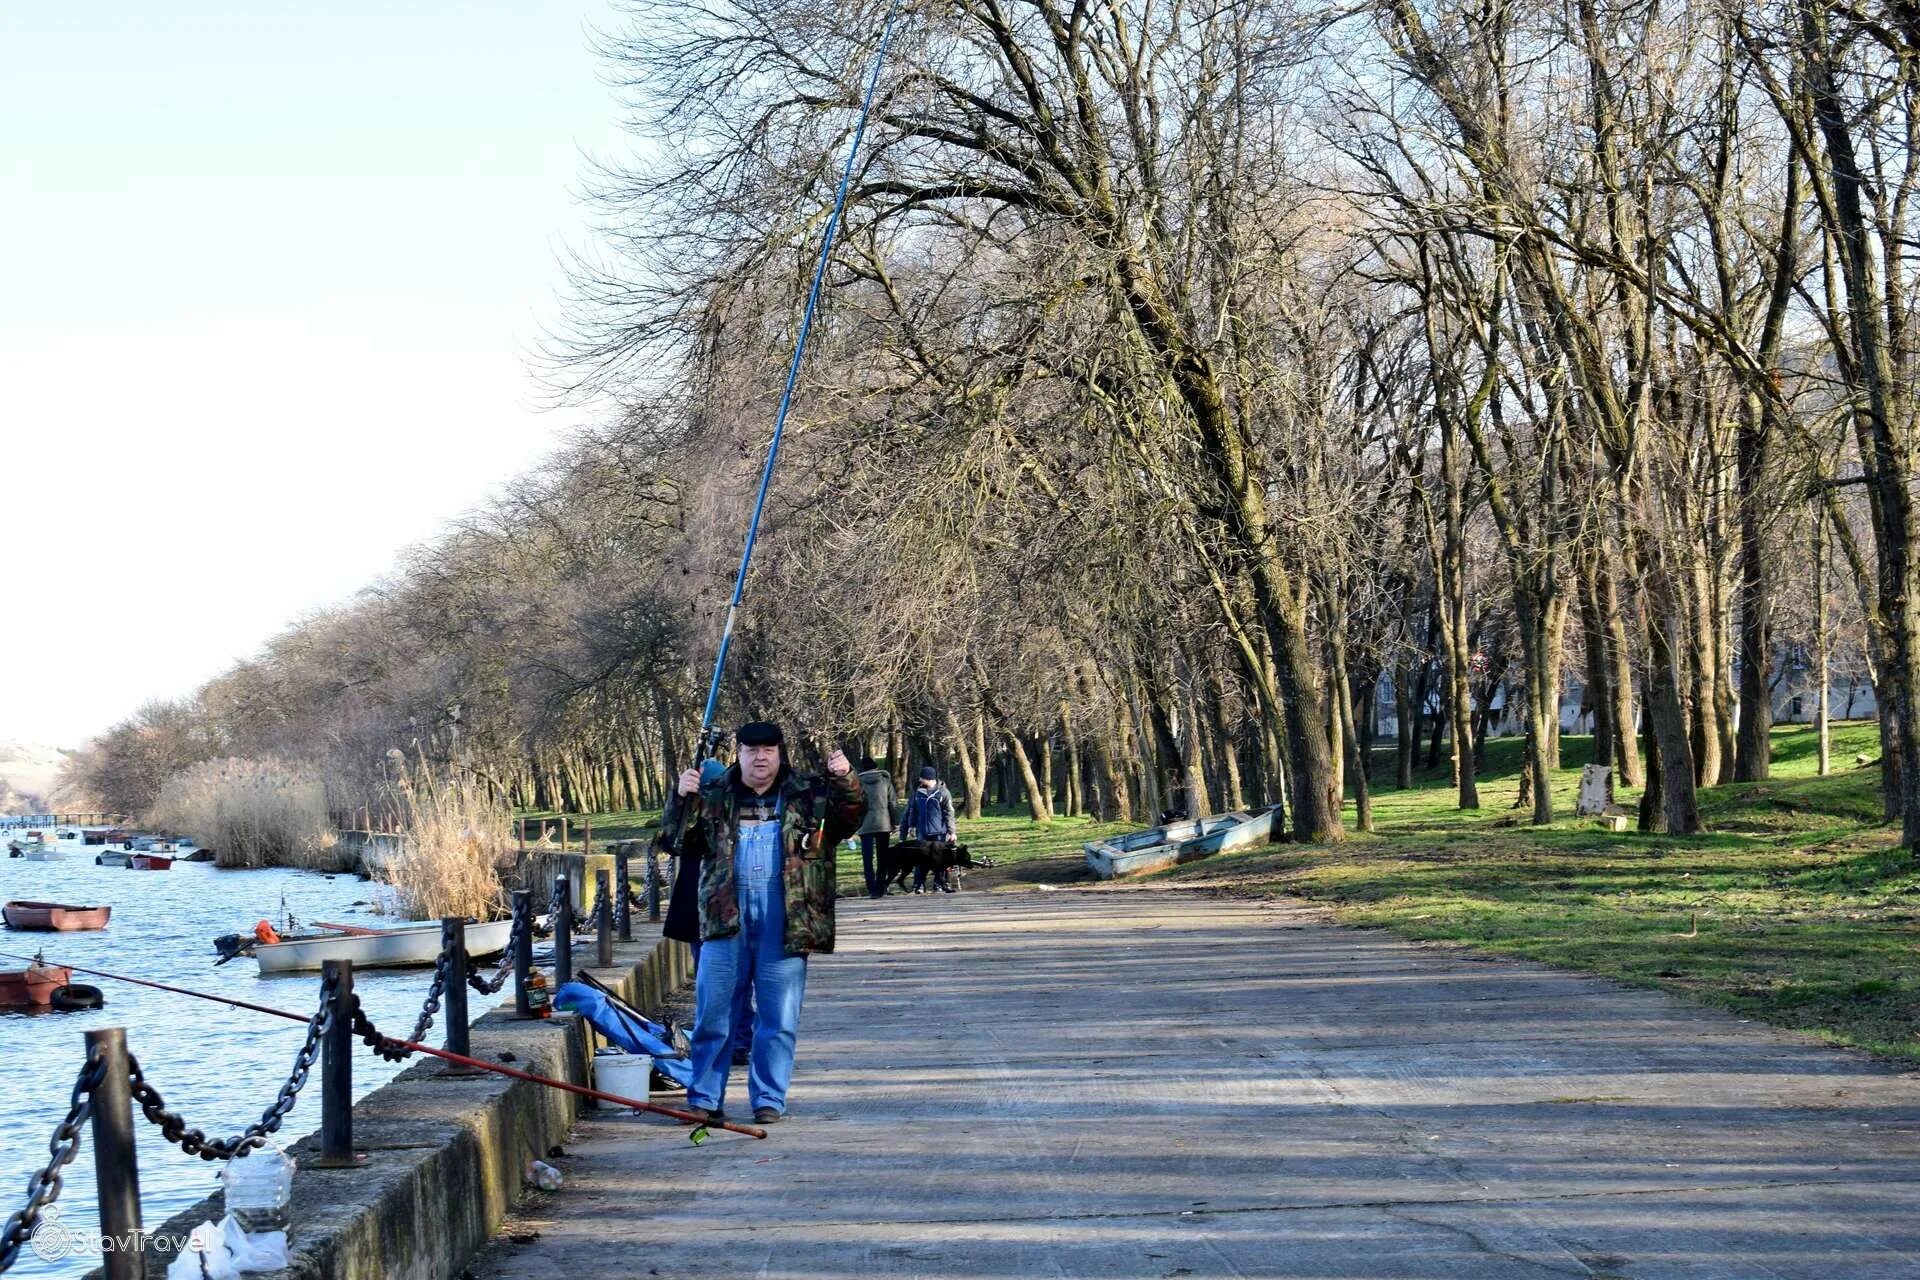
<point x="32" y="986"/>
<point x="59" y="916"/>
<point x="149" y="862"/>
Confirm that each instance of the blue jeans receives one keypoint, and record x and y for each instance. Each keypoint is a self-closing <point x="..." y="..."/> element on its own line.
<point x="753" y="961"/>
<point x="742" y="1009"/>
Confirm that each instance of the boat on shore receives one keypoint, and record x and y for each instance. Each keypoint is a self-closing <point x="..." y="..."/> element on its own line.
<point x="33" y="986"/>
<point x="1157" y="848"/>
<point x="59" y="917"/>
<point x="415" y="946"/>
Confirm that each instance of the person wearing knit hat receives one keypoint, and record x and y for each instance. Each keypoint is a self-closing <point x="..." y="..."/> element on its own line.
<point x="765" y="837"/>
<point x="929" y="818"/>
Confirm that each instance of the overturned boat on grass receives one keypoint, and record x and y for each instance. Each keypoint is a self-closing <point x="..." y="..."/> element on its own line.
<point x="1157" y="848"/>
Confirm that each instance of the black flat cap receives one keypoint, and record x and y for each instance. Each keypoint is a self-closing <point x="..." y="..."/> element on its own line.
<point x="760" y="733"/>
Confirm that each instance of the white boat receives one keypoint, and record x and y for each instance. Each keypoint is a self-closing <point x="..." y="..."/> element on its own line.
<point x="417" y="946"/>
<point x="1157" y="848"/>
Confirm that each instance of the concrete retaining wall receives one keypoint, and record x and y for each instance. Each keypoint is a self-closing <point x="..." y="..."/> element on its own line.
<point x="445" y="1154"/>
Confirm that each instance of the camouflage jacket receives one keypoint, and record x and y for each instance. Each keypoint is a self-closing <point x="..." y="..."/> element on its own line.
<point x="816" y="815"/>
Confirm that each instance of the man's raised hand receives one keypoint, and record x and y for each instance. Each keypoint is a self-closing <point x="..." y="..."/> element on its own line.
<point x="690" y="782"/>
<point x="838" y="765"/>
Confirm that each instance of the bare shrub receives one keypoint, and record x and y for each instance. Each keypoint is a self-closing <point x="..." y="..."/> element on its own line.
<point x="251" y="813"/>
<point x="455" y="829"/>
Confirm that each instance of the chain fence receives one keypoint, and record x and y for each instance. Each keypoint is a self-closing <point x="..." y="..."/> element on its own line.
<point x="196" y="1143"/>
<point x="44" y="1187"/>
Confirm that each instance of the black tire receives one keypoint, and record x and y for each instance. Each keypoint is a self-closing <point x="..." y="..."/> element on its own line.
<point x="76" y="996"/>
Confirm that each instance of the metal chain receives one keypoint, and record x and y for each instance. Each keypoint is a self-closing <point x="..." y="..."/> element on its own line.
<point x="196" y="1143"/>
<point x="431" y="1009"/>
<point x="44" y="1187"/>
<point x="491" y="986"/>
<point x="375" y="1039"/>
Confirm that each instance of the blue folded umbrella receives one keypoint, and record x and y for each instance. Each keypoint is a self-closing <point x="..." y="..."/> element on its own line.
<point x="622" y="1026"/>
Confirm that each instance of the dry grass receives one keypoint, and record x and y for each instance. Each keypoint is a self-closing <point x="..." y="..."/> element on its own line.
<point x="251" y="813"/>
<point x="457" y="830"/>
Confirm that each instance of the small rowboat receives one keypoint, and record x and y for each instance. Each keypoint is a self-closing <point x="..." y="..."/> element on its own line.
<point x="111" y="859"/>
<point x="149" y="862"/>
<point x="32" y="986"/>
<point x="1157" y="848"/>
<point x="59" y="916"/>
<point x="417" y="946"/>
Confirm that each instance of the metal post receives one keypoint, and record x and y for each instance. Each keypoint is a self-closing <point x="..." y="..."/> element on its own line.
<point x="336" y="1073"/>
<point x="453" y="945"/>
<point x="653" y="884"/>
<point x="622" y="913"/>
<point x="603" y="919"/>
<point x="522" y="950"/>
<point x="114" y="1164"/>
<point x="562" y="931"/>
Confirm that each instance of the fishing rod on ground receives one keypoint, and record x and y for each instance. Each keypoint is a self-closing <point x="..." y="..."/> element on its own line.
<point x="685" y="1117"/>
<point x="709" y="741"/>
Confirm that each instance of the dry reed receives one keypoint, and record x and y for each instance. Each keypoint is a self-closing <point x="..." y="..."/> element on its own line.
<point x="251" y="813"/>
<point x="455" y="832"/>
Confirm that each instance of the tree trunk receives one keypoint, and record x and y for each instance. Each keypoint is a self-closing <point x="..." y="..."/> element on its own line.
<point x="1822" y="641"/>
<point x="1404" y="727"/>
<point x="1626" y="747"/>
<point x="1036" y="795"/>
<point x="1679" y="806"/>
<point x="973" y="767"/>
<point x="1599" y="668"/>
<point x="1075" y="803"/>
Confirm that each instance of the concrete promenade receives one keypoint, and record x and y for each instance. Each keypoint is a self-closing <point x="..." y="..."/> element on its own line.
<point x="1154" y="1083"/>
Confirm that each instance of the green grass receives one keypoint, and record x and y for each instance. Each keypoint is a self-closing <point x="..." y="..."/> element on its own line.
<point x="1797" y="906"/>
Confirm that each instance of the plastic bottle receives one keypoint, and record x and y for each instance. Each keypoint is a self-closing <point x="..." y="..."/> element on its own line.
<point x="259" y="1187"/>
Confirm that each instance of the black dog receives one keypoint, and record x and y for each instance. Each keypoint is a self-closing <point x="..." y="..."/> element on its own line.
<point x="903" y="859"/>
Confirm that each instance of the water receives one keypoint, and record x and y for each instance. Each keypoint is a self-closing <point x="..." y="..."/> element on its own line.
<point x="218" y="1067"/>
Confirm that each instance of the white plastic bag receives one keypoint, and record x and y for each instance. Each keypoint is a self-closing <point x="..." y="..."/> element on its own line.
<point x="262" y="1251"/>
<point x="206" y="1255"/>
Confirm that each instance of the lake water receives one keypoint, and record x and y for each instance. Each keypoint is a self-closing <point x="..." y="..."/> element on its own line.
<point x="218" y="1067"/>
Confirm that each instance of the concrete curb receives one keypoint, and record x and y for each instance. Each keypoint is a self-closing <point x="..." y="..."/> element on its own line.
<point x="446" y="1155"/>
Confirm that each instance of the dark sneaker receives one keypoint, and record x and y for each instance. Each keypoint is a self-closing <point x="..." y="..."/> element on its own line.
<point x="708" y="1114"/>
<point x="767" y="1115"/>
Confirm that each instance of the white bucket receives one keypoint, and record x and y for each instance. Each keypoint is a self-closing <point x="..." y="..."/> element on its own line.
<point x="625" y="1074"/>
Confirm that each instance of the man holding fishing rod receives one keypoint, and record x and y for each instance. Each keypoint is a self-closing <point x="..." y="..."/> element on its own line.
<point x="765" y="839"/>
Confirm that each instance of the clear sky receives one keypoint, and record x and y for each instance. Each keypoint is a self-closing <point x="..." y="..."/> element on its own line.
<point x="269" y="276"/>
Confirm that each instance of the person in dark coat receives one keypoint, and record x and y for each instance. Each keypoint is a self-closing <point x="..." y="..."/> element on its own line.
<point x="929" y="818"/>
<point x="766" y="837"/>
<point x="876" y="830"/>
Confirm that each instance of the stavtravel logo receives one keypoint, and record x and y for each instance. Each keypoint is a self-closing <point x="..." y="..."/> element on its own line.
<point x="54" y="1241"/>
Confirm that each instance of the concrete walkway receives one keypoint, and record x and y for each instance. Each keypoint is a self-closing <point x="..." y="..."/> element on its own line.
<point x="1159" y="1084"/>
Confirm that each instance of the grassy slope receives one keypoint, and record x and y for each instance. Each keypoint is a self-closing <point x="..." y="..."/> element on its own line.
<point x="1796" y="907"/>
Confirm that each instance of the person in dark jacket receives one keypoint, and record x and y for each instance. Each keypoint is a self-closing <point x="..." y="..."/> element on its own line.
<point x="930" y="818"/>
<point x="766" y="838"/>
<point x="876" y="832"/>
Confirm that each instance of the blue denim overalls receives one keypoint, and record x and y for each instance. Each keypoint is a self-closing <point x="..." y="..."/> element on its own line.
<point x="754" y="958"/>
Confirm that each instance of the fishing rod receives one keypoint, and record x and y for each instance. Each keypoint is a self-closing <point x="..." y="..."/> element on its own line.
<point x="709" y="741"/>
<point x="685" y="1117"/>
